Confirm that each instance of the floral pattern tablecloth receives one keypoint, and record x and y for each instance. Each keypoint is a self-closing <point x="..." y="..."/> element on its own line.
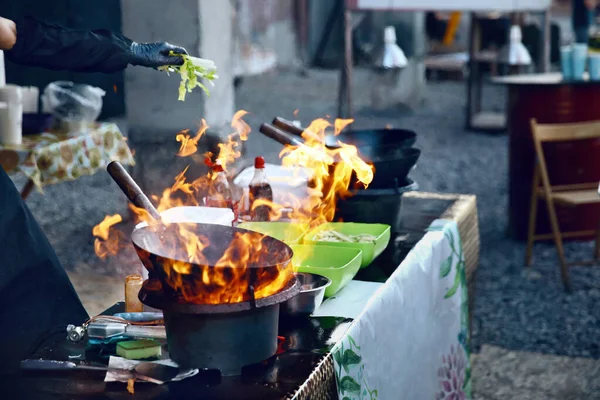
<point x="411" y="339"/>
<point x="52" y="158"/>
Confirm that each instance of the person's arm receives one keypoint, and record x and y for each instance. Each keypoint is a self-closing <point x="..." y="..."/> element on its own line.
<point x="54" y="47"/>
<point x="8" y="34"/>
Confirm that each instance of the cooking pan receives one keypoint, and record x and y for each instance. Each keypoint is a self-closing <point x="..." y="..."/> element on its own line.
<point x="373" y="144"/>
<point x="391" y="167"/>
<point x="160" y="249"/>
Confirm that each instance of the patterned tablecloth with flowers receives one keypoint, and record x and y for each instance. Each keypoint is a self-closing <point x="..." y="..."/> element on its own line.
<point x="51" y="158"/>
<point x="411" y="339"/>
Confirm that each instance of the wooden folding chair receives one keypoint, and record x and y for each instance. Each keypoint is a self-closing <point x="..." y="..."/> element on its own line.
<point x="571" y="195"/>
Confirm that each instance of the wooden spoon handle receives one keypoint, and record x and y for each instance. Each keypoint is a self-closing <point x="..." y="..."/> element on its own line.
<point x="131" y="189"/>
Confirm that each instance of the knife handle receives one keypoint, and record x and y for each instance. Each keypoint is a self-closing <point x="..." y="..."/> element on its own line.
<point x="146" y="332"/>
<point x="53" y="365"/>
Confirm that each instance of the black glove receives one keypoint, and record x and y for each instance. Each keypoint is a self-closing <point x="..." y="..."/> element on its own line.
<point x="54" y="47"/>
<point x="155" y="55"/>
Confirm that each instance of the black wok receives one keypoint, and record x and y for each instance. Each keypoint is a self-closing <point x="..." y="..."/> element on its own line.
<point x="161" y="250"/>
<point x="389" y="169"/>
<point x="373" y="144"/>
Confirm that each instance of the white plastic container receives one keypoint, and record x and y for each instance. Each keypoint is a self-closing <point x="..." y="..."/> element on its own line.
<point x="11" y="116"/>
<point x="288" y="184"/>
<point x="2" y="73"/>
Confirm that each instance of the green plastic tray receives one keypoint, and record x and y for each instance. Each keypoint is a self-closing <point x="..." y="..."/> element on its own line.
<point x="370" y="251"/>
<point x="287" y="232"/>
<point x="340" y="264"/>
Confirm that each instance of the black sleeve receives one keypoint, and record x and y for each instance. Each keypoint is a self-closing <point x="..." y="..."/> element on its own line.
<point x="57" y="48"/>
<point x="35" y="291"/>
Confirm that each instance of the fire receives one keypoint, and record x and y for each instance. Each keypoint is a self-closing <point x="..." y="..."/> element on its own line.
<point x="332" y="170"/>
<point x="107" y="243"/>
<point x="189" y="145"/>
<point x="202" y="272"/>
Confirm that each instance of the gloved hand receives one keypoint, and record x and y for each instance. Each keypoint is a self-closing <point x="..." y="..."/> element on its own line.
<point x="154" y="55"/>
<point x="54" y="47"/>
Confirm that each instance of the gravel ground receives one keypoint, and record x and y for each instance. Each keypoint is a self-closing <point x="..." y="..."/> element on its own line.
<point x="514" y="310"/>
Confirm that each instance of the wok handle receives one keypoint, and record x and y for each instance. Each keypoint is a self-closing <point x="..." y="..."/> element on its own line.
<point x="131" y="189"/>
<point x="280" y="136"/>
<point x="287" y="126"/>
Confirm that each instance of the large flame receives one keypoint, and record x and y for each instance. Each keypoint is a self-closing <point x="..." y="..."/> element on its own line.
<point x="227" y="279"/>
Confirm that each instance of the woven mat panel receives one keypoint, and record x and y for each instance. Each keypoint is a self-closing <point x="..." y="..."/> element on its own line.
<point x="320" y="384"/>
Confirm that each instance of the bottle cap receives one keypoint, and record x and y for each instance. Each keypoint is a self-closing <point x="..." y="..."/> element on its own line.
<point x="259" y="163"/>
<point x="217" y="167"/>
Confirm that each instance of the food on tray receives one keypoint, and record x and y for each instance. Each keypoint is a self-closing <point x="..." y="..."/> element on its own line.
<point x="192" y="71"/>
<point x="335" y="236"/>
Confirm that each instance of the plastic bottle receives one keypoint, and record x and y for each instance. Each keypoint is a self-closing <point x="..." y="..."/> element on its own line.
<point x="219" y="192"/>
<point x="260" y="188"/>
<point x="133" y="284"/>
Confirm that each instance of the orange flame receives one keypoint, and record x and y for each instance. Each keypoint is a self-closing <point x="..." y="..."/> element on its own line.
<point x="227" y="278"/>
<point x="189" y="145"/>
<point x="107" y="243"/>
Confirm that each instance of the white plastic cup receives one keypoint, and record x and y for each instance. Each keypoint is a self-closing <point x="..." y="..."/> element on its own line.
<point x="566" y="62"/>
<point x="11" y="120"/>
<point x="31" y="96"/>
<point x="594" y="66"/>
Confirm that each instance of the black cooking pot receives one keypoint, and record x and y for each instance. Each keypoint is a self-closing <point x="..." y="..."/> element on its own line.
<point x="389" y="172"/>
<point x="392" y="165"/>
<point x="373" y="206"/>
<point x="373" y="144"/>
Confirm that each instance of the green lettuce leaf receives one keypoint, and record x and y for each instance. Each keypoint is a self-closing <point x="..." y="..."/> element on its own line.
<point x="191" y="75"/>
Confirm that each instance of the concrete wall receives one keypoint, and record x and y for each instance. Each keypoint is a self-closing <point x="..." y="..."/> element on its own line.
<point x="203" y="27"/>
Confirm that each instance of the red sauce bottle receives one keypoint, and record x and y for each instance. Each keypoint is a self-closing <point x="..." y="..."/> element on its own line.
<point x="260" y="189"/>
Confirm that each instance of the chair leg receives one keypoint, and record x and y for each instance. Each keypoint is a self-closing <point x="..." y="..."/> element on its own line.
<point x="533" y="209"/>
<point x="559" y="245"/>
<point x="597" y="247"/>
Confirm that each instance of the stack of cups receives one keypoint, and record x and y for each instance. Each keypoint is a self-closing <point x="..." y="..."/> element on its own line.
<point x="31" y="97"/>
<point x="594" y="65"/>
<point x="580" y="51"/>
<point x="573" y="60"/>
<point x="566" y="62"/>
<point x="11" y="115"/>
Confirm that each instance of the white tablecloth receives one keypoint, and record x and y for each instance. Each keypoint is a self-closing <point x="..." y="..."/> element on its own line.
<point x="410" y="340"/>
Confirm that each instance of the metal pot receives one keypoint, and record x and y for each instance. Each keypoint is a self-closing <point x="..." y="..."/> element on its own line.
<point x="312" y="292"/>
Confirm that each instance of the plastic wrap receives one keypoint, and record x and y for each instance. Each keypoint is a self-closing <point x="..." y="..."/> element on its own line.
<point x="70" y="101"/>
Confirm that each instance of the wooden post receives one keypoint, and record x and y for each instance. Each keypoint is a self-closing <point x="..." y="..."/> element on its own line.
<point x="473" y="91"/>
<point x="544" y="64"/>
